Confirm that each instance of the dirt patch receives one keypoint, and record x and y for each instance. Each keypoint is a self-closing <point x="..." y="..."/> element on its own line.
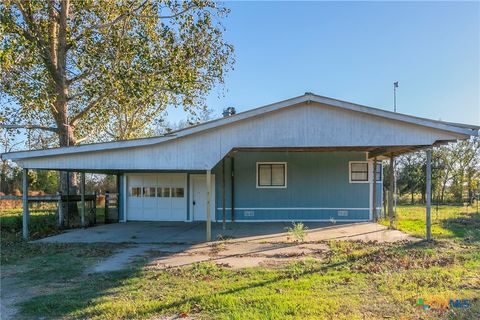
<point x="238" y="255"/>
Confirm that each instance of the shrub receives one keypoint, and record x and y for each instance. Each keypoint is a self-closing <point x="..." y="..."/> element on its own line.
<point x="297" y="232"/>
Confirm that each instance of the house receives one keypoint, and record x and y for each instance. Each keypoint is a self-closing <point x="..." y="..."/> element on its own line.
<point x="306" y="158"/>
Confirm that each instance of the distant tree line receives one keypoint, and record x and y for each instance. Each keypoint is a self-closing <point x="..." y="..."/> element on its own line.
<point x="455" y="174"/>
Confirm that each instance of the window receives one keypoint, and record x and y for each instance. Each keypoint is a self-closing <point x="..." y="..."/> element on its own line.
<point x="163" y="192"/>
<point x="271" y="175"/>
<point x="149" y="192"/>
<point x="379" y="172"/>
<point x="178" y="192"/>
<point x="136" y="192"/>
<point x="359" y="171"/>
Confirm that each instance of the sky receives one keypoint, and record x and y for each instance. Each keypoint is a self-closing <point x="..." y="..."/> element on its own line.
<point x="354" y="51"/>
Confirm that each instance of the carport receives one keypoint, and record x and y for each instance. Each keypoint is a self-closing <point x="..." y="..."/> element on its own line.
<point x="254" y="186"/>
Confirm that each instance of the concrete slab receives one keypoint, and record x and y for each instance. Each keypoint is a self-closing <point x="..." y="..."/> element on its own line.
<point x="194" y="233"/>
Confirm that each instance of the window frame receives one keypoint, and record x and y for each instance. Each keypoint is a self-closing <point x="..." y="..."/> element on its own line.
<point x="380" y="172"/>
<point x="370" y="171"/>
<point x="257" y="177"/>
<point x="350" y="172"/>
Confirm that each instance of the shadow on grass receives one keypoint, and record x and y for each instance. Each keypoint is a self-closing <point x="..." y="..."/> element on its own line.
<point x="88" y="290"/>
<point x="466" y="227"/>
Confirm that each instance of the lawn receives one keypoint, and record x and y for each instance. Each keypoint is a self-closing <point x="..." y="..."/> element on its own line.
<point x="448" y="222"/>
<point x="355" y="280"/>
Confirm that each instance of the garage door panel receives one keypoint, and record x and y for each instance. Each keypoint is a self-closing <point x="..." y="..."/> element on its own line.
<point x="163" y="197"/>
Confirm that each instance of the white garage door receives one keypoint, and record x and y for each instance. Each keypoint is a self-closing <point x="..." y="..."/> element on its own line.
<point x="157" y="197"/>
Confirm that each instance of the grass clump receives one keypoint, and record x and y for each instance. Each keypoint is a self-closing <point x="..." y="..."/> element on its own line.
<point x="297" y="232"/>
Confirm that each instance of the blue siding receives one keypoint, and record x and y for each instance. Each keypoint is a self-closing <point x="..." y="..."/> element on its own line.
<point x="314" y="180"/>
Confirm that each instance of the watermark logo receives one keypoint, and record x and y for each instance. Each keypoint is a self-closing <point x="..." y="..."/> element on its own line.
<point x="443" y="304"/>
<point x="422" y="305"/>
<point x="463" y="304"/>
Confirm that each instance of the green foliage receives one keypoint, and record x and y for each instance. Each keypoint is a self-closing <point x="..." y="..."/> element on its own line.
<point x="455" y="173"/>
<point x="42" y="224"/>
<point x="108" y="70"/>
<point x="297" y="232"/>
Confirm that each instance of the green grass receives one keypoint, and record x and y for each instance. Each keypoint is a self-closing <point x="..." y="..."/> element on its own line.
<point x="356" y="280"/>
<point x="448" y="222"/>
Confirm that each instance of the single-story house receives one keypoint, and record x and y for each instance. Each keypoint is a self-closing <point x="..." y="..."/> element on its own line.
<point x="307" y="158"/>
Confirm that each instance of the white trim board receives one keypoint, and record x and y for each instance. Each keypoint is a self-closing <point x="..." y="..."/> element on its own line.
<point x="301" y="220"/>
<point x="461" y="131"/>
<point x="295" y="209"/>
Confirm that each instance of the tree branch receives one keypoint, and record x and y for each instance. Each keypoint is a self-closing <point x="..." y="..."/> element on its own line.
<point x="110" y="23"/>
<point x="173" y="15"/>
<point x="87" y="109"/>
<point x="28" y="126"/>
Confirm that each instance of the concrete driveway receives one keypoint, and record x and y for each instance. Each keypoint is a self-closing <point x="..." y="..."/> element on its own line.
<point x="194" y="232"/>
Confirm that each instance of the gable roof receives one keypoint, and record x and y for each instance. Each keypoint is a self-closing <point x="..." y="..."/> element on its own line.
<point x="460" y="130"/>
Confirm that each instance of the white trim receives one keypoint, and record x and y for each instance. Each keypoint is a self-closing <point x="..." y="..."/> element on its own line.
<point x="350" y="171"/>
<point x="462" y="131"/>
<point x="370" y="190"/>
<point x="302" y="220"/>
<point x="270" y="162"/>
<point x="370" y="171"/>
<point x="307" y="208"/>
<point x="125" y="196"/>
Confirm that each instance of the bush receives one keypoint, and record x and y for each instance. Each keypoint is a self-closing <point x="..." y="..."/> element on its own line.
<point x="297" y="232"/>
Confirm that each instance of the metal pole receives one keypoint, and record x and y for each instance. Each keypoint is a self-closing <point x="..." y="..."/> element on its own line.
<point x="223" y="195"/>
<point x="60" y="209"/>
<point x="209" y="214"/>
<point x="26" y="212"/>
<point x="390" y="192"/>
<point x="82" y="198"/>
<point x="429" y="194"/>
<point x="232" y="189"/>
<point x="374" y="207"/>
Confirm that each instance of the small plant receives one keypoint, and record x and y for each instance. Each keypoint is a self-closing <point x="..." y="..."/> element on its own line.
<point x="297" y="232"/>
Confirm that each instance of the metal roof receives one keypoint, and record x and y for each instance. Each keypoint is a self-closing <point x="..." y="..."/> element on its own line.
<point x="459" y="129"/>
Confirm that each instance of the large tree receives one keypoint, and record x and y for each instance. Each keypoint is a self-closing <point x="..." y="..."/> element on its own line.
<point x="80" y="68"/>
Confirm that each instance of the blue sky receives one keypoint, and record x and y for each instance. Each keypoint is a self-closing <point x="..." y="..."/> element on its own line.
<point x="355" y="51"/>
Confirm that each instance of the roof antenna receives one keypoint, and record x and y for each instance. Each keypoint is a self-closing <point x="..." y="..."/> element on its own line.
<point x="395" y="86"/>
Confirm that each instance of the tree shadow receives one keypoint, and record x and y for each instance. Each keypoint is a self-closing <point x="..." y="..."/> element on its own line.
<point x="465" y="227"/>
<point x="88" y="290"/>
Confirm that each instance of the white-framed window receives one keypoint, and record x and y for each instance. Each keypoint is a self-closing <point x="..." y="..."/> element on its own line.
<point x="271" y="174"/>
<point x="362" y="172"/>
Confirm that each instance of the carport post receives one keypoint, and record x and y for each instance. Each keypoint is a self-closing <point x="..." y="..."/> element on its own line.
<point x="82" y="198"/>
<point x="223" y="195"/>
<point x="209" y="213"/>
<point x="26" y="212"/>
<point x="428" y="194"/>
<point x="374" y="204"/>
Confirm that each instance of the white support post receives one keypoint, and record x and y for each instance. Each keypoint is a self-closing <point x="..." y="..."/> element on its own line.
<point x="428" y="194"/>
<point x="209" y="213"/>
<point x="82" y="199"/>
<point x="26" y="212"/>
<point x="374" y="193"/>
